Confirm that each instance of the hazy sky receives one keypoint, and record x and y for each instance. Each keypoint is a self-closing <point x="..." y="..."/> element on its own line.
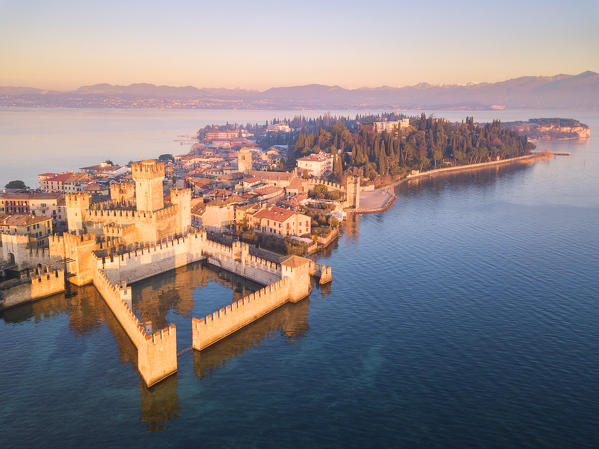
<point x="260" y="44"/>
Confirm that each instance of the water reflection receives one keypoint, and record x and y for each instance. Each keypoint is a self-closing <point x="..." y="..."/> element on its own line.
<point x="159" y="404"/>
<point x="154" y="298"/>
<point x="352" y="228"/>
<point x="39" y="310"/>
<point x="484" y="177"/>
<point x="87" y="313"/>
<point x="289" y="321"/>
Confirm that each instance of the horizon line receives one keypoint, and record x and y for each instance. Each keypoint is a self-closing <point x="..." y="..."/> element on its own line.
<point x="464" y="84"/>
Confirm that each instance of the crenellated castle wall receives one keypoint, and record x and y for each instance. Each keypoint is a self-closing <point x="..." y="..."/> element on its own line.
<point x="156" y="353"/>
<point x="150" y="261"/>
<point x="46" y="282"/>
<point x="329" y="184"/>
<point x="242" y="263"/>
<point x="224" y="322"/>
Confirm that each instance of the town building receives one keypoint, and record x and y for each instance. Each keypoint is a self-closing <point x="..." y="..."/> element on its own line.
<point x="278" y="128"/>
<point x="316" y="165"/>
<point x="282" y="222"/>
<point x="221" y="135"/>
<point x="274" y="178"/>
<point x="51" y="205"/>
<point x="37" y="229"/>
<point x="68" y="182"/>
<point x="217" y="215"/>
<point x="388" y="125"/>
<point x="244" y="160"/>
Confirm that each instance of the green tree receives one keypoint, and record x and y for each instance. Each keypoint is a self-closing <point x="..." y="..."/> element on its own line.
<point x="166" y="158"/>
<point x="17" y="184"/>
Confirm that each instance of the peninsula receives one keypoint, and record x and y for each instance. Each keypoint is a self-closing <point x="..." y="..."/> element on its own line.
<point x="551" y="129"/>
<point x="253" y="200"/>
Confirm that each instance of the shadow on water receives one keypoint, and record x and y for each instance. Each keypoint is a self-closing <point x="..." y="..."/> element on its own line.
<point x="289" y="321"/>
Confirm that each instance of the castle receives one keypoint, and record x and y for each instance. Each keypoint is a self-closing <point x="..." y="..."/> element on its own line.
<point x="136" y="235"/>
<point x="133" y="217"/>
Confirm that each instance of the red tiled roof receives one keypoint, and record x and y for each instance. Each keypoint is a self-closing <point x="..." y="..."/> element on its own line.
<point x="268" y="190"/>
<point x="21" y="220"/>
<point x="275" y="213"/>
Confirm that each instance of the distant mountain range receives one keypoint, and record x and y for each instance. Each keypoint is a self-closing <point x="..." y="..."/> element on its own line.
<point x="579" y="92"/>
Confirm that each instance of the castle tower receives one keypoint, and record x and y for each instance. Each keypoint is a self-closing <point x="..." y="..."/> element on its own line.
<point x="148" y="176"/>
<point x="244" y="160"/>
<point x="77" y="206"/>
<point x="352" y="192"/>
<point x="122" y="191"/>
<point x="297" y="269"/>
<point x="182" y="199"/>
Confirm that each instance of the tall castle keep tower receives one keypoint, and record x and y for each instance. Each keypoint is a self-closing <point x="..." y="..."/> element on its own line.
<point x="77" y="204"/>
<point x="148" y="176"/>
<point x="182" y="198"/>
<point x="244" y="160"/>
<point x="352" y="192"/>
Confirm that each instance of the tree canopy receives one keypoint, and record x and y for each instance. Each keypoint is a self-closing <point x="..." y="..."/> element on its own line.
<point x="426" y="144"/>
<point x="16" y="184"/>
<point x="166" y="158"/>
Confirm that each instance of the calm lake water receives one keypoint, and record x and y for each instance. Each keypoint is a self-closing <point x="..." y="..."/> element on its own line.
<point x="464" y="316"/>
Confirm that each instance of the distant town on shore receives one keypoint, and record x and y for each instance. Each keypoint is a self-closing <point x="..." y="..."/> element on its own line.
<point x="579" y="92"/>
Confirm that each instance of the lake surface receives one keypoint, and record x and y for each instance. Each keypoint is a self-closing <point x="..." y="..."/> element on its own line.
<point x="464" y="316"/>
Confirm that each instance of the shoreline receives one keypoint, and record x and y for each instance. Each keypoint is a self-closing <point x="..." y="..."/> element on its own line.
<point x="389" y="188"/>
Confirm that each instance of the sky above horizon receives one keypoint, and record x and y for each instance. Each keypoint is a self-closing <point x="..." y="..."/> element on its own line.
<point x="256" y="45"/>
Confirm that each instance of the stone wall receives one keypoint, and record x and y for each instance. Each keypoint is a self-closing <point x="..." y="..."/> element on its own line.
<point x="150" y="261"/>
<point x="79" y="249"/>
<point x="164" y="256"/>
<point x="294" y="284"/>
<point x="330" y="185"/>
<point x="224" y="322"/>
<point x="157" y="353"/>
<point x="45" y="283"/>
<point x="15" y="248"/>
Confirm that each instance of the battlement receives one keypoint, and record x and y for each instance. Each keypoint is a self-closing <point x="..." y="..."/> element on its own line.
<point x="114" y="204"/>
<point x="112" y="230"/>
<point x="44" y="272"/>
<point x="122" y="191"/>
<point x="56" y="239"/>
<point x="75" y="240"/>
<point x="162" y="334"/>
<point x="76" y="197"/>
<point x="229" y="319"/>
<point x="39" y="253"/>
<point x="156" y="353"/>
<point x="148" y="169"/>
<point x="47" y="282"/>
<point x="168" y="211"/>
<point x="180" y="193"/>
<point x="329" y="184"/>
